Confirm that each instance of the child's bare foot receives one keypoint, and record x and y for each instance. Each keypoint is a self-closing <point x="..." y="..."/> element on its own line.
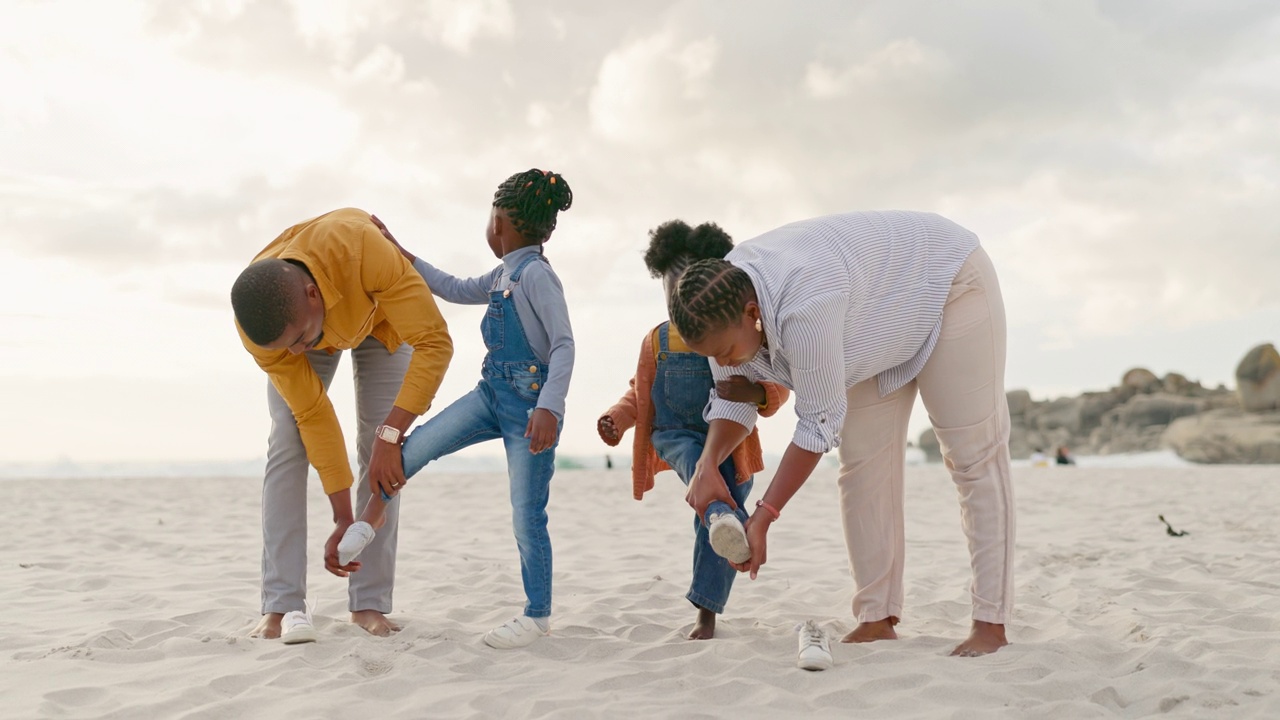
<point x="268" y="627"/>
<point x="705" y="626"/>
<point x="984" y="639"/>
<point x="872" y="631"/>
<point x="374" y="622"/>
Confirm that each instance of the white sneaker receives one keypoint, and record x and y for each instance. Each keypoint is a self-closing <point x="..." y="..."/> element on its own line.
<point x="515" y="633"/>
<point x="728" y="538"/>
<point x="296" y="628"/>
<point x="815" y="651"/>
<point x="354" y="541"/>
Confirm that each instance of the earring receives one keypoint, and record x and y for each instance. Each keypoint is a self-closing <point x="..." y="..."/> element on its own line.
<point x="759" y="327"/>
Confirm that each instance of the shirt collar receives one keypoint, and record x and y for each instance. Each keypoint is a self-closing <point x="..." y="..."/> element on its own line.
<point x="328" y="291"/>
<point x="512" y="260"/>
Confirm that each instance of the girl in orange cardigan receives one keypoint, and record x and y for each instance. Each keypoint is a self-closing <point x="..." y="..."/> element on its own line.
<point x="671" y="387"/>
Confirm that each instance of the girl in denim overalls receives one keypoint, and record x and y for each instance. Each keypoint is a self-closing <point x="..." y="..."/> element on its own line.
<point x="671" y="387"/>
<point x="524" y="378"/>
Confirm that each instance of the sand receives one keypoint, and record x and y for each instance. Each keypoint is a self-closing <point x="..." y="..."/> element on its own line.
<point x="132" y="599"/>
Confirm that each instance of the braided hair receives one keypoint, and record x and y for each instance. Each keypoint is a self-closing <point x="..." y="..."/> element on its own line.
<point x="711" y="295"/>
<point x="262" y="298"/>
<point x="532" y="198"/>
<point x="673" y="245"/>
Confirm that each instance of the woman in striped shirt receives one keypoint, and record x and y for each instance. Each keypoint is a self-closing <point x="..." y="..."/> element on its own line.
<point x="855" y="313"/>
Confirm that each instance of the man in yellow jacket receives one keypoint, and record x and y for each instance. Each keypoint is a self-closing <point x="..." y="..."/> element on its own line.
<point x="330" y="284"/>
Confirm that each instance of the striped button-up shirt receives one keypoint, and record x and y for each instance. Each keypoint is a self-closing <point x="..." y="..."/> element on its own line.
<point x="845" y="298"/>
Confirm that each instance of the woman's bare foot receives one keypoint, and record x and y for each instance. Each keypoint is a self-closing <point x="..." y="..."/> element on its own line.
<point x="268" y="627"/>
<point x="984" y="639"/>
<point x="872" y="631"/>
<point x="374" y="622"/>
<point x="705" y="626"/>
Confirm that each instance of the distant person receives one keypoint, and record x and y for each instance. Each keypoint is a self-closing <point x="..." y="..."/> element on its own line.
<point x="1039" y="459"/>
<point x="330" y="284"/>
<point x="521" y="394"/>
<point x="608" y="463"/>
<point x="855" y="313"/>
<point x="1064" y="456"/>
<point x="671" y="387"/>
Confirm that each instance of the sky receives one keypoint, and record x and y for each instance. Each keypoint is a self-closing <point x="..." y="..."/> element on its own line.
<point x="1120" y="162"/>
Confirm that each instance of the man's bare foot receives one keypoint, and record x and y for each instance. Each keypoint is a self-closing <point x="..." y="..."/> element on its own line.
<point x="374" y="622"/>
<point x="984" y="639"/>
<point x="705" y="626"/>
<point x="268" y="627"/>
<point x="872" y="631"/>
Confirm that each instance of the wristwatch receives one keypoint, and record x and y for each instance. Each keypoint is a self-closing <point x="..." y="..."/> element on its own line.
<point x="389" y="434"/>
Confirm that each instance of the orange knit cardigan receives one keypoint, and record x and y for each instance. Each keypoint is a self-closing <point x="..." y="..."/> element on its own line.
<point x="635" y="409"/>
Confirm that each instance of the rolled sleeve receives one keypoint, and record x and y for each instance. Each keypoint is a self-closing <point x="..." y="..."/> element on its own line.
<point x="410" y="309"/>
<point x="301" y="389"/>
<point x="745" y="414"/>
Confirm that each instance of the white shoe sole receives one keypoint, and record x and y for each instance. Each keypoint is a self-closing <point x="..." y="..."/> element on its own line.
<point x="729" y="540"/>
<point x="299" y="635"/>
<point x="814" y="661"/>
<point x="354" y="541"/>
<point x="504" y="641"/>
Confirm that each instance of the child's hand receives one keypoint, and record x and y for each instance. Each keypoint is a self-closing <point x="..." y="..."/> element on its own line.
<point x="387" y="234"/>
<point x="738" y="388"/>
<point x="608" y="431"/>
<point x="541" y="430"/>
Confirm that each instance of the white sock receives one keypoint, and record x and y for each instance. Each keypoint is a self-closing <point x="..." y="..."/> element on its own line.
<point x="543" y="623"/>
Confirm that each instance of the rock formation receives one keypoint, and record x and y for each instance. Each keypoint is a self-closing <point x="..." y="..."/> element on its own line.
<point x="1145" y="412"/>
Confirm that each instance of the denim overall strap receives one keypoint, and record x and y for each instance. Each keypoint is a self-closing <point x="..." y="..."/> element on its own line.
<point x="494" y="328"/>
<point x="682" y="386"/>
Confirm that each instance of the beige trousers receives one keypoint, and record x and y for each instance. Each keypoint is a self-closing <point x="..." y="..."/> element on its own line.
<point x="962" y="387"/>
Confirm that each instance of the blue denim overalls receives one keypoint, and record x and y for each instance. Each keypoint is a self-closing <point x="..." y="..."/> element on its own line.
<point x="500" y="407"/>
<point x="682" y="388"/>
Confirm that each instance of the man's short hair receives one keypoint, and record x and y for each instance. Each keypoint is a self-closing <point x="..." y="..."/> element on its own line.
<point x="263" y="299"/>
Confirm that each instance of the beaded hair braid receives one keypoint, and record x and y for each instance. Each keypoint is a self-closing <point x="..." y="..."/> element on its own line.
<point x="711" y="295"/>
<point x="532" y="198"/>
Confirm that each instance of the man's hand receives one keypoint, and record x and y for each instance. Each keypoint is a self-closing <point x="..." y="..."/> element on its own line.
<point x="739" y="388"/>
<point x="541" y="430"/>
<point x="706" y="486"/>
<point x="386" y="468"/>
<point x="331" y="551"/>
<point x="608" y="431"/>
<point x="757" y="528"/>
<point x="387" y="234"/>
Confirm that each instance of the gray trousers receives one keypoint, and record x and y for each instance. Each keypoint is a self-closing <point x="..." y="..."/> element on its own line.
<point x="378" y="377"/>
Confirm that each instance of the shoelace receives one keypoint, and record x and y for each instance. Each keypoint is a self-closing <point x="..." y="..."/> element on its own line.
<point x="813" y="635"/>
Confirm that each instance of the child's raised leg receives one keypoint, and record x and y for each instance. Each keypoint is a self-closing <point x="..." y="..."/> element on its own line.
<point x="362" y="531"/>
<point x="712" y="575"/>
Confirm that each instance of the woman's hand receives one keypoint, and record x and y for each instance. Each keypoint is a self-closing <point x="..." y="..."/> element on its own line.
<point x="707" y="486"/>
<point x="541" y="430"/>
<point x="608" y="431"/>
<point x="757" y="528"/>
<point x="739" y="388"/>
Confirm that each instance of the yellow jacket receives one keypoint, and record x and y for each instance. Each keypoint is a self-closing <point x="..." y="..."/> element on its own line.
<point x="369" y="288"/>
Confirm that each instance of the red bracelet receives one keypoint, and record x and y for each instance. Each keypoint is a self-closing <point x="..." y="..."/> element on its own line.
<point x="772" y="510"/>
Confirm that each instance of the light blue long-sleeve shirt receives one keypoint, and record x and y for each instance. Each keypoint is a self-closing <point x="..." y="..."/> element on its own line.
<point x="540" y="303"/>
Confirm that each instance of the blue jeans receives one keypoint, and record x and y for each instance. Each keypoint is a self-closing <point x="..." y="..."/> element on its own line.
<point x="495" y="410"/>
<point x="712" y="575"/>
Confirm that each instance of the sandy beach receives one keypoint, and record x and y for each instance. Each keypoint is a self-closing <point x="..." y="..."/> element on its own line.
<point x="132" y="599"/>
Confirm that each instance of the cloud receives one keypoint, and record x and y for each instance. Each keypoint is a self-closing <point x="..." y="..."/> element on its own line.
<point x="653" y="89"/>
